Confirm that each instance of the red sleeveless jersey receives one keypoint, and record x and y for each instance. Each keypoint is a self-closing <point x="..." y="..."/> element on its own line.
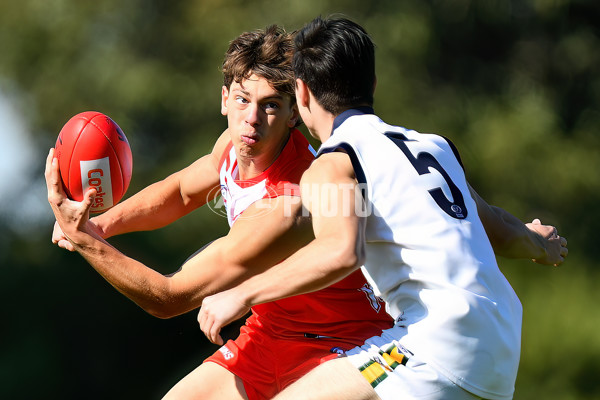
<point x="347" y="310"/>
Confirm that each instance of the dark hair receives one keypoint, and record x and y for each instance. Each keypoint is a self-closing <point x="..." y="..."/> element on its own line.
<point x="336" y="59"/>
<point x="266" y="53"/>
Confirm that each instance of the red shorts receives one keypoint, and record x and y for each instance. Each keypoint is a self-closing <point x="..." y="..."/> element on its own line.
<point x="267" y="364"/>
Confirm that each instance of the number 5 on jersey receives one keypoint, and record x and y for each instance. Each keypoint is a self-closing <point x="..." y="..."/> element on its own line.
<point x="422" y="162"/>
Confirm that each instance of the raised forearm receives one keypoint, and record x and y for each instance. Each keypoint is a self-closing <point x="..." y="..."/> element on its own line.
<point x="152" y="208"/>
<point x="508" y="235"/>
<point x="511" y="238"/>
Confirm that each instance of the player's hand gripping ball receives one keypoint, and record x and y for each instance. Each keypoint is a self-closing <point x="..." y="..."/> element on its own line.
<point x="93" y="151"/>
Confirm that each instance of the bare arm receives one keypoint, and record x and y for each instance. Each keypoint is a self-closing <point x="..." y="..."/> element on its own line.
<point x="329" y="193"/>
<point x="258" y="240"/>
<point x="163" y="202"/>
<point x="512" y="238"/>
<point x="160" y="203"/>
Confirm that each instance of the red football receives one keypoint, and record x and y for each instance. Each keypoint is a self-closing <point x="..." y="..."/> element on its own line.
<point x="93" y="151"/>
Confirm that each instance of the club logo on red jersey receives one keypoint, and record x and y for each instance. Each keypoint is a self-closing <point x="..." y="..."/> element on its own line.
<point x="374" y="300"/>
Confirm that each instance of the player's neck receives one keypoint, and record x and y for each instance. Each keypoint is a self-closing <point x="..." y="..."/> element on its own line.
<point x="322" y="124"/>
<point x="251" y="168"/>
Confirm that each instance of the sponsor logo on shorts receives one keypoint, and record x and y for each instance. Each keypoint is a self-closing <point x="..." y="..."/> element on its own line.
<point x="227" y="354"/>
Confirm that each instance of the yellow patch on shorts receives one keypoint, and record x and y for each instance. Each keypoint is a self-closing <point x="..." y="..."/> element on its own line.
<point x="393" y="357"/>
<point x="373" y="373"/>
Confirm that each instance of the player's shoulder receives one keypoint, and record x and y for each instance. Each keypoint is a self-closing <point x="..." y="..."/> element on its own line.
<point x="300" y="151"/>
<point x="295" y="158"/>
<point x="329" y="167"/>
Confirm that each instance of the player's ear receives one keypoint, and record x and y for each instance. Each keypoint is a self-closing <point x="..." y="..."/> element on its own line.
<point x="302" y="95"/>
<point x="224" y="98"/>
<point x="293" y="121"/>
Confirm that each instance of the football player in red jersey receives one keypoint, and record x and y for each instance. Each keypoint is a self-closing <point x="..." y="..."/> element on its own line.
<point x="256" y="165"/>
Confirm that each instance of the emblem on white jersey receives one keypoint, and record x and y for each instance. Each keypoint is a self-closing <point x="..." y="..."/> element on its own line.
<point x="373" y="299"/>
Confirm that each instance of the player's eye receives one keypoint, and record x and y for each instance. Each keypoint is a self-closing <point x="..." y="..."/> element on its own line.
<point x="271" y="107"/>
<point x="241" y="100"/>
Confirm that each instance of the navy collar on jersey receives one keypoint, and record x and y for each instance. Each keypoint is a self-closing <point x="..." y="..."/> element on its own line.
<point x="339" y="120"/>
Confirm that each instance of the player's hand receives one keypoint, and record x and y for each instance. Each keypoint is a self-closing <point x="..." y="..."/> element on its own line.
<point x="218" y="311"/>
<point x="59" y="238"/>
<point x="556" y="246"/>
<point x="71" y="216"/>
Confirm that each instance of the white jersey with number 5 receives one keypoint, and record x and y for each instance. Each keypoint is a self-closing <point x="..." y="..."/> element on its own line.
<point x="428" y="255"/>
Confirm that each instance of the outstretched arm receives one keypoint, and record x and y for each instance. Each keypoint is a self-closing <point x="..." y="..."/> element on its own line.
<point x="162" y="202"/>
<point x="512" y="238"/>
<point x="258" y="240"/>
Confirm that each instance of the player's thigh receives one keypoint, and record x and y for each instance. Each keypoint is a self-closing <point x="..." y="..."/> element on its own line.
<point x="208" y="381"/>
<point x="332" y="380"/>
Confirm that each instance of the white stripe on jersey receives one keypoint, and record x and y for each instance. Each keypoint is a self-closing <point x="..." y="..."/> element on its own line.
<point x="236" y="198"/>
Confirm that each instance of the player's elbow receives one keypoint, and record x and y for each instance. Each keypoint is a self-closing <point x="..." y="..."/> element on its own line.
<point x="160" y="312"/>
<point x="164" y="310"/>
<point x="499" y="243"/>
<point x="164" y="305"/>
<point x="348" y="246"/>
<point x="157" y="308"/>
<point x="348" y="258"/>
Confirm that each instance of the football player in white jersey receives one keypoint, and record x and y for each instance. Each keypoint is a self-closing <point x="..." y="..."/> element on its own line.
<point x="256" y="164"/>
<point x="397" y="203"/>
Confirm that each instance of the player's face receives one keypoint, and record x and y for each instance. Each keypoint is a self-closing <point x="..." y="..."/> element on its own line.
<point x="259" y="117"/>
